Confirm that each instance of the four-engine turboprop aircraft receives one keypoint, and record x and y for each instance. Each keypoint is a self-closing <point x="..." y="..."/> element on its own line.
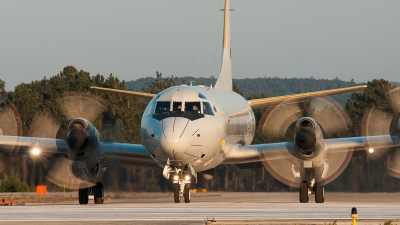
<point x="191" y="129"/>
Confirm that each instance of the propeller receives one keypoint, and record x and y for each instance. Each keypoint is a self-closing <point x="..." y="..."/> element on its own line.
<point x="278" y="124"/>
<point x="276" y="121"/>
<point x="377" y="121"/>
<point x="10" y="123"/>
<point x="69" y="172"/>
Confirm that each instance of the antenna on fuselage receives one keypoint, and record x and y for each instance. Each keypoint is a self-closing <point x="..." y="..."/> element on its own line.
<point x="224" y="80"/>
<point x="191" y="82"/>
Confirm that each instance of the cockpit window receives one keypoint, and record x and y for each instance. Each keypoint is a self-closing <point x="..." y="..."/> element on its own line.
<point x="162" y="107"/>
<point x="207" y="109"/>
<point x="177" y="106"/>
<point x="193" y="107"/>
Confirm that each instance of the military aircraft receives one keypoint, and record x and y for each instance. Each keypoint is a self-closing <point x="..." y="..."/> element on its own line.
<point x="190" y="129"/>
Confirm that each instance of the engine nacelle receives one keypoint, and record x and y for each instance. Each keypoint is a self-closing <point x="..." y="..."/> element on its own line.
<point x="308" y="138"/>
<point x="83" y="139"/>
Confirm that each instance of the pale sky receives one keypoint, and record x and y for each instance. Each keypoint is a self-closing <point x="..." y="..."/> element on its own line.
<point x="133" y="39"/>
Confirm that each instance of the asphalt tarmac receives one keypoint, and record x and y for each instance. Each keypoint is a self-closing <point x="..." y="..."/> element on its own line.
<point x="213" y="207"/>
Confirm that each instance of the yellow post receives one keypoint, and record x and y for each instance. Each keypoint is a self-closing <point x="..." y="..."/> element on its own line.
<point x="354" y="215"/>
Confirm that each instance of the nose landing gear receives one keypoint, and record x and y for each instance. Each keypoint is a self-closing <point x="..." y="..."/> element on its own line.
<point x="182" y="177"/>
<point x="182" y="188"/>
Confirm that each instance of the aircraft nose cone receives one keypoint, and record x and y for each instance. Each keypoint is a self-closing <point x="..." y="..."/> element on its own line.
<point x="173" y="145"/>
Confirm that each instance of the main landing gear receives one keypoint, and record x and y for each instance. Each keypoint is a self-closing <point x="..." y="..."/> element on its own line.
<point x="97" y="191"/>
<point x="313" y="188"/>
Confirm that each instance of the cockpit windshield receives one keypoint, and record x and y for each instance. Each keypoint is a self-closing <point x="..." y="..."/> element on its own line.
<point x="207" y="109"/>
<point x="192" y="107"/>
<point x="183" y="108"/>
<point x="177" y="107"/>
<point x="162" y="107"/>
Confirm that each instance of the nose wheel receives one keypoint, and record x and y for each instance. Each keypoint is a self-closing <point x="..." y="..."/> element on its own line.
<point x="182" y="191"/>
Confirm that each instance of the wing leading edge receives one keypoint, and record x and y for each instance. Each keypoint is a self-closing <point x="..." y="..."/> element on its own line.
<point x="134" y="154"/>
<point x="124" y="92"/>
<point x="252" y="153"/>
<point x="265" y="102"/>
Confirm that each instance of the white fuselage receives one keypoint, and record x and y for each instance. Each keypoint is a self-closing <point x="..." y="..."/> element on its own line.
<point x="189" y="125"/>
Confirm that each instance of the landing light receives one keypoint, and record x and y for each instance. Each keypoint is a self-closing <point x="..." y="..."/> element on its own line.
<point x="176" y="177"/>
<point x="371" y="150"/>
<point x="35" y="151"/>
<point x="187" y="177"/>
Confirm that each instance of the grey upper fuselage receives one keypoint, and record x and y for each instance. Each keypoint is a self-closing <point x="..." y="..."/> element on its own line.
<point x="196" y="138"/>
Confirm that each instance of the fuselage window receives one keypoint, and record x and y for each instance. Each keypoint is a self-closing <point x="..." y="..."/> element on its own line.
<point x="207" y="109"/>
<point x="162" y="107"/>
<point x="177" y="106"/>
<point x="193" y="107"/>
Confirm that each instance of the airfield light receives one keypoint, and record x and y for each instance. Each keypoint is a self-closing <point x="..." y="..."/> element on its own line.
<point x="35" y="151"/>
<point x="371" y="150"/>
<point x="354" y="215"/>
<point x="187" y="177"/>
<point x="176" y="177"/>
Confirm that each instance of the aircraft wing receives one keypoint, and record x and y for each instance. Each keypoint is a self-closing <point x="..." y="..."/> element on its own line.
<point x="283" y="150"/>
<point x="133" y="154"/>
<point x="22" y="145"/>
<point x="283" y="161"/>
<point x="124" y="92"/>
<point x="124" y="153"/>
<point x="265" y="102"/>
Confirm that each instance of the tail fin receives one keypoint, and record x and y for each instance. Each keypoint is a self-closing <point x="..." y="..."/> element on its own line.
<point x="225" y="78"/>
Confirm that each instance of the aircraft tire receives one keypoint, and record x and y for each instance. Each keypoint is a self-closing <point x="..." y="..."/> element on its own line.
<point x="176" y="194"/>
<point x="319" y="193"/>
<point x="303" y="192"/>
<point x="83" y="196"/>
<point x="186" y="194"/>
<point x="98" y="191"/>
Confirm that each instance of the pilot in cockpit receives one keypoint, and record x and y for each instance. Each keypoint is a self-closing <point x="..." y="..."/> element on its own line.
<point x="195" y="109"/>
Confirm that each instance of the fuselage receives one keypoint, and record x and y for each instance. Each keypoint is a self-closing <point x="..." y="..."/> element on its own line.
<point x="193" y="125"/>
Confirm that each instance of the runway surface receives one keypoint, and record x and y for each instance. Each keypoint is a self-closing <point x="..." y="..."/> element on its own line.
<point x="224" y="208"/>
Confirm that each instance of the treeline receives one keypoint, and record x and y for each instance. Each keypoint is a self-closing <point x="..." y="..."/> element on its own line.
<point x="120" y="122"/>
<point x="270" y="86"/>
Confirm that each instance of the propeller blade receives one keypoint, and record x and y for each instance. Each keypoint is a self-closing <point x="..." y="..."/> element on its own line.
<point x="330" y="116"/>
<point x="277" y="119"/>
<point x="65" y="173"/>
<point x="44" y="125"/>
<point x="75" y="105"/>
